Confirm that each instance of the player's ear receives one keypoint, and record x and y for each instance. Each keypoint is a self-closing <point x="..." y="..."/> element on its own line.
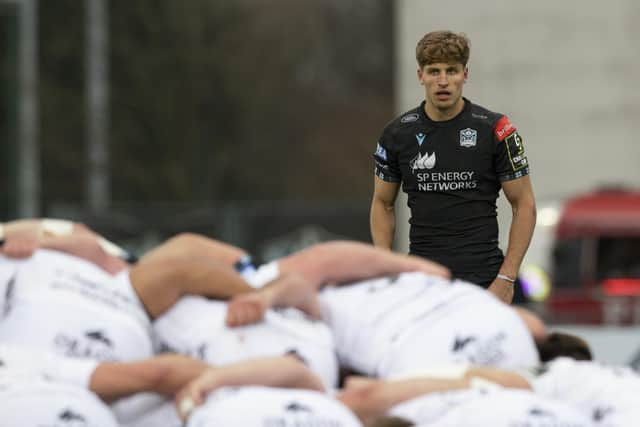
<point x="466" y="73"/>
<point x="420" y="76"/>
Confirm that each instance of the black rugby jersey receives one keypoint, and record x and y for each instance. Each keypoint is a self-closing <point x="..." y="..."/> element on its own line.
<point x="451" y="171"/>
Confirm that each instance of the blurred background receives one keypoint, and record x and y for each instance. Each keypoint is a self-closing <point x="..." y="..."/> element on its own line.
<point x="254" y="121"/>
<point x="245" y="120"/>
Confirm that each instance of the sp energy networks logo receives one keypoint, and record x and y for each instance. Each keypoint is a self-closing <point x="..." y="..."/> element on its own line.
<point x="423" y="161"/>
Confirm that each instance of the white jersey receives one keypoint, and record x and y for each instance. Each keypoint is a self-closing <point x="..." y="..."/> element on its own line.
<point x="147" y="410"/>
<point x="40" y="403"/>
<point x="8" y="269"/>
<point x="495" y="407"/>
<point x="39" y="390"/>
<point x="196" y="326"/>
<point x="20" y="364"/>
<point x="271" y="407"/>
<point x="610" y="394"/>
<point x="69" y="306"/>
<point x="389" y="326"/>
<point x="25" y="366"/>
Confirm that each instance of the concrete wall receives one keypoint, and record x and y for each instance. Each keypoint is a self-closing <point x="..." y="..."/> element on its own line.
<point x="609" y="344"/>
<point x="564" y="72"/>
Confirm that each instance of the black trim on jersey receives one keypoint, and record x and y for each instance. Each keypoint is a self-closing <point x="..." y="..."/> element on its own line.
<point x="515" y="175"/>
<point x="386" y="178"/>
<point x="444" y="123"/>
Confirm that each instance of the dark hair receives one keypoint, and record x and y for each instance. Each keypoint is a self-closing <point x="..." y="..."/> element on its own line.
<point x="442" y="46"/>
<point x="558" y="344"/>
<point x="389" y="422"/>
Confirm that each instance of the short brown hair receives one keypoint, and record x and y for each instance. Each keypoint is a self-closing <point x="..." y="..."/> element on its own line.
<point x="443" y="46"/>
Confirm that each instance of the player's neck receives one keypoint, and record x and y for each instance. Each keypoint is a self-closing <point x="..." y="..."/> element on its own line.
<point x="441" y="114"/>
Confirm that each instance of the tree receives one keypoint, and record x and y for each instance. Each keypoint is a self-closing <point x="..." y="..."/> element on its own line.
<point x="217" y="100"/>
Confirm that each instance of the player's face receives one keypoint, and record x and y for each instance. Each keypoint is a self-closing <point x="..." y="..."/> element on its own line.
<point x="443" y="84"/>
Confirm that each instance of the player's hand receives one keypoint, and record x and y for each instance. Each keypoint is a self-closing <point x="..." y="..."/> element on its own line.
<point x="502" y="289"/>
<point x="293" y="290"/>
<point x="20" y="245"/>
<point x="246" y="309"/>
<point x="194" y="393"/>
<point x="357" y="395"/>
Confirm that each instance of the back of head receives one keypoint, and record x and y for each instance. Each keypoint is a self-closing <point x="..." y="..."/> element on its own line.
<point x="558" y="344"/>
<point x="389" y="422"/>
<point x="442" y="47"/>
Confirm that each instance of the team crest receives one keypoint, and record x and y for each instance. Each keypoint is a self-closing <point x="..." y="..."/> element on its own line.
<point x="468" y="137"/>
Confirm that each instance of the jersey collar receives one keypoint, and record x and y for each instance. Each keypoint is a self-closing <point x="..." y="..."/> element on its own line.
<point x="443" y="123"/>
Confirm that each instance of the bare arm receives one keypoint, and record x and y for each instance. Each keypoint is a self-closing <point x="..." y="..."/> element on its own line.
<point x="191" y="245"/>
<point x="281" y="371"/>
<point x="519" y="193"/>
<point x="346" y="261"/>
<point x="291" y="290"/>
<point x="501" y="377"/>
<point x="370" y="398"/>
<point x="85" y="246"/>
<point x="165" y="374"/>
<point x="382" y="217"/>
<point x="161" y="282"/>
<point x="302" y="274"/>
<point x="23" y="237"/>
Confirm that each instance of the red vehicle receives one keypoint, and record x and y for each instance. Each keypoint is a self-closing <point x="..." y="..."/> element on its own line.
<point x="595" y="262"/>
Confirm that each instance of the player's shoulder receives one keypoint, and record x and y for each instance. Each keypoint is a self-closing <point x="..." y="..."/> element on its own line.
<point x="482" y="115"/>
<point x="499" y="123"/>
<point x="407" y="119"/>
